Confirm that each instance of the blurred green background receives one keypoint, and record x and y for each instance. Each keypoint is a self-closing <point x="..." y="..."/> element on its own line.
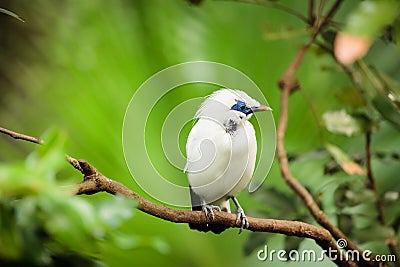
<point x="74" y="66"/>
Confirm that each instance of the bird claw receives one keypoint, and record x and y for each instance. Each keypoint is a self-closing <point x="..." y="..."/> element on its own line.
<point x="241" y="217"/>
<point x="209" y="208"/>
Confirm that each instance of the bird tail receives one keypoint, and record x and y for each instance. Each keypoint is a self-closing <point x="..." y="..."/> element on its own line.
<point x="196" y="205"/>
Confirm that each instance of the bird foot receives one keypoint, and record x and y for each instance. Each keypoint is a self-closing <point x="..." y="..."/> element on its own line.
<point x="241" y="217"/>
<point x="210" y="209"/>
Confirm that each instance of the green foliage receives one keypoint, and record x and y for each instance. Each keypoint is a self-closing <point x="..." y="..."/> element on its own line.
<point x="41" y="223"/>
<point x="370" y="16"/>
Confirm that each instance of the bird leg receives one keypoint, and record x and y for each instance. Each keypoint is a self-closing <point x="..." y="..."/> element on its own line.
<point x="241" y="217"/>
<point x="210" y="208"/>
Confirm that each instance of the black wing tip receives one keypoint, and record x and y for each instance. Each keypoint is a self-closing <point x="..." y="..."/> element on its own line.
<point x="196" y="205"/>
<point x="215" y="228"/>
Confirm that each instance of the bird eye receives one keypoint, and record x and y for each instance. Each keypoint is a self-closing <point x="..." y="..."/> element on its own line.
<point x="240" y="106"/>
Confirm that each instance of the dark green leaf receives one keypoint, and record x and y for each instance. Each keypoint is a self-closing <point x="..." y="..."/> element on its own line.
<point x="375" y="232"/>
<point x="367" y="209"/>
<point x="329" y="37"/>
<point x="255" y="241"/>
<point x="348" y="195"/>
<point x="275" y="199"/>
<point x="292" y="243"/>
<point x="346" y="223"/>
<point x="350" y="97"/>
<point x="384" y="106"/>
<point x="383" y="92"/>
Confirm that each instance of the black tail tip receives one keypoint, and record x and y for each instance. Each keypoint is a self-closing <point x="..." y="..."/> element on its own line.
<point x="215" y="228"/>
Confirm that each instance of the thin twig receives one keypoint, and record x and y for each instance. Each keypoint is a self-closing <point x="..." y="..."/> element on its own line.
<point x="276" y="5"/>
<point x="321" y="8"/>
<point x="331" y="13"/>
<point x="94" y="182"/>
<point x="311" y="15"/>
<point x="371" y="179"/>
<point x="16" y="135"/>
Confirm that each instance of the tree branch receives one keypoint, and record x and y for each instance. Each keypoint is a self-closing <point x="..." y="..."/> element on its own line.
<point x="288" y="84"/>
<point x="16" y="135"/>
<point x="371" y="180"/>
<point x="276" y="5"/>
<point x="392" y="242"/>
<point x="94" y="182"/>
<point x="311" y="16"/>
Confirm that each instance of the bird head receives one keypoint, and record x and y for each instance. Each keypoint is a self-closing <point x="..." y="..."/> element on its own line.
<point x="229" y="104"/>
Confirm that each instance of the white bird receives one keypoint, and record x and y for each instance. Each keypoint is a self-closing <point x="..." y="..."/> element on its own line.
<point x="221" y="154"/>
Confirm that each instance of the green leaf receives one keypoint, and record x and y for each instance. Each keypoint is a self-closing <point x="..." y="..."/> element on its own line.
<point x="397" y="32"/>
<point x="346" y="223"/>
<point x="374" y="232"/>
<point x="385" y="108"/>
<point x="115" y="211"/>
<point x="341" y="122"/>
<point x="128" y="242"/>
<point x="11" y="240"/>
<point x="255" y="241"/>
<point x="367" y="209"/>
<point x="350" y="97"/>
<point x="349" y="195"/>
<point x="41" y="222"/>
<point x="275" y="199"/>
<point x="344" y="160"/>
<point x="391" y="197"/>
<point x="382" y="92"/>
<point x="371" y="16"/>
<point x="160" y="245"/>
<point x="292" y="243"/>
<point x="72" y="223"/>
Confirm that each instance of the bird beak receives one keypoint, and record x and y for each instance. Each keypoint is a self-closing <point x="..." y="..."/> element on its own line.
<point x="260" y="108"/>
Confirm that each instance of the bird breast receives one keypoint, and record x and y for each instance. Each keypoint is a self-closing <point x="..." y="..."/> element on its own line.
<point x="220" y="158"/>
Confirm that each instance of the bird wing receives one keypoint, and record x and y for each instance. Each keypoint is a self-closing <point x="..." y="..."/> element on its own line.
<point x="208" y="152"/>
<point x="207" y="141"/>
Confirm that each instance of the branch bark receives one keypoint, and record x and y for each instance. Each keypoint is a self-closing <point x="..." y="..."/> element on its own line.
<point x="16" y="135"/>
<point x="94" y="182"/>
